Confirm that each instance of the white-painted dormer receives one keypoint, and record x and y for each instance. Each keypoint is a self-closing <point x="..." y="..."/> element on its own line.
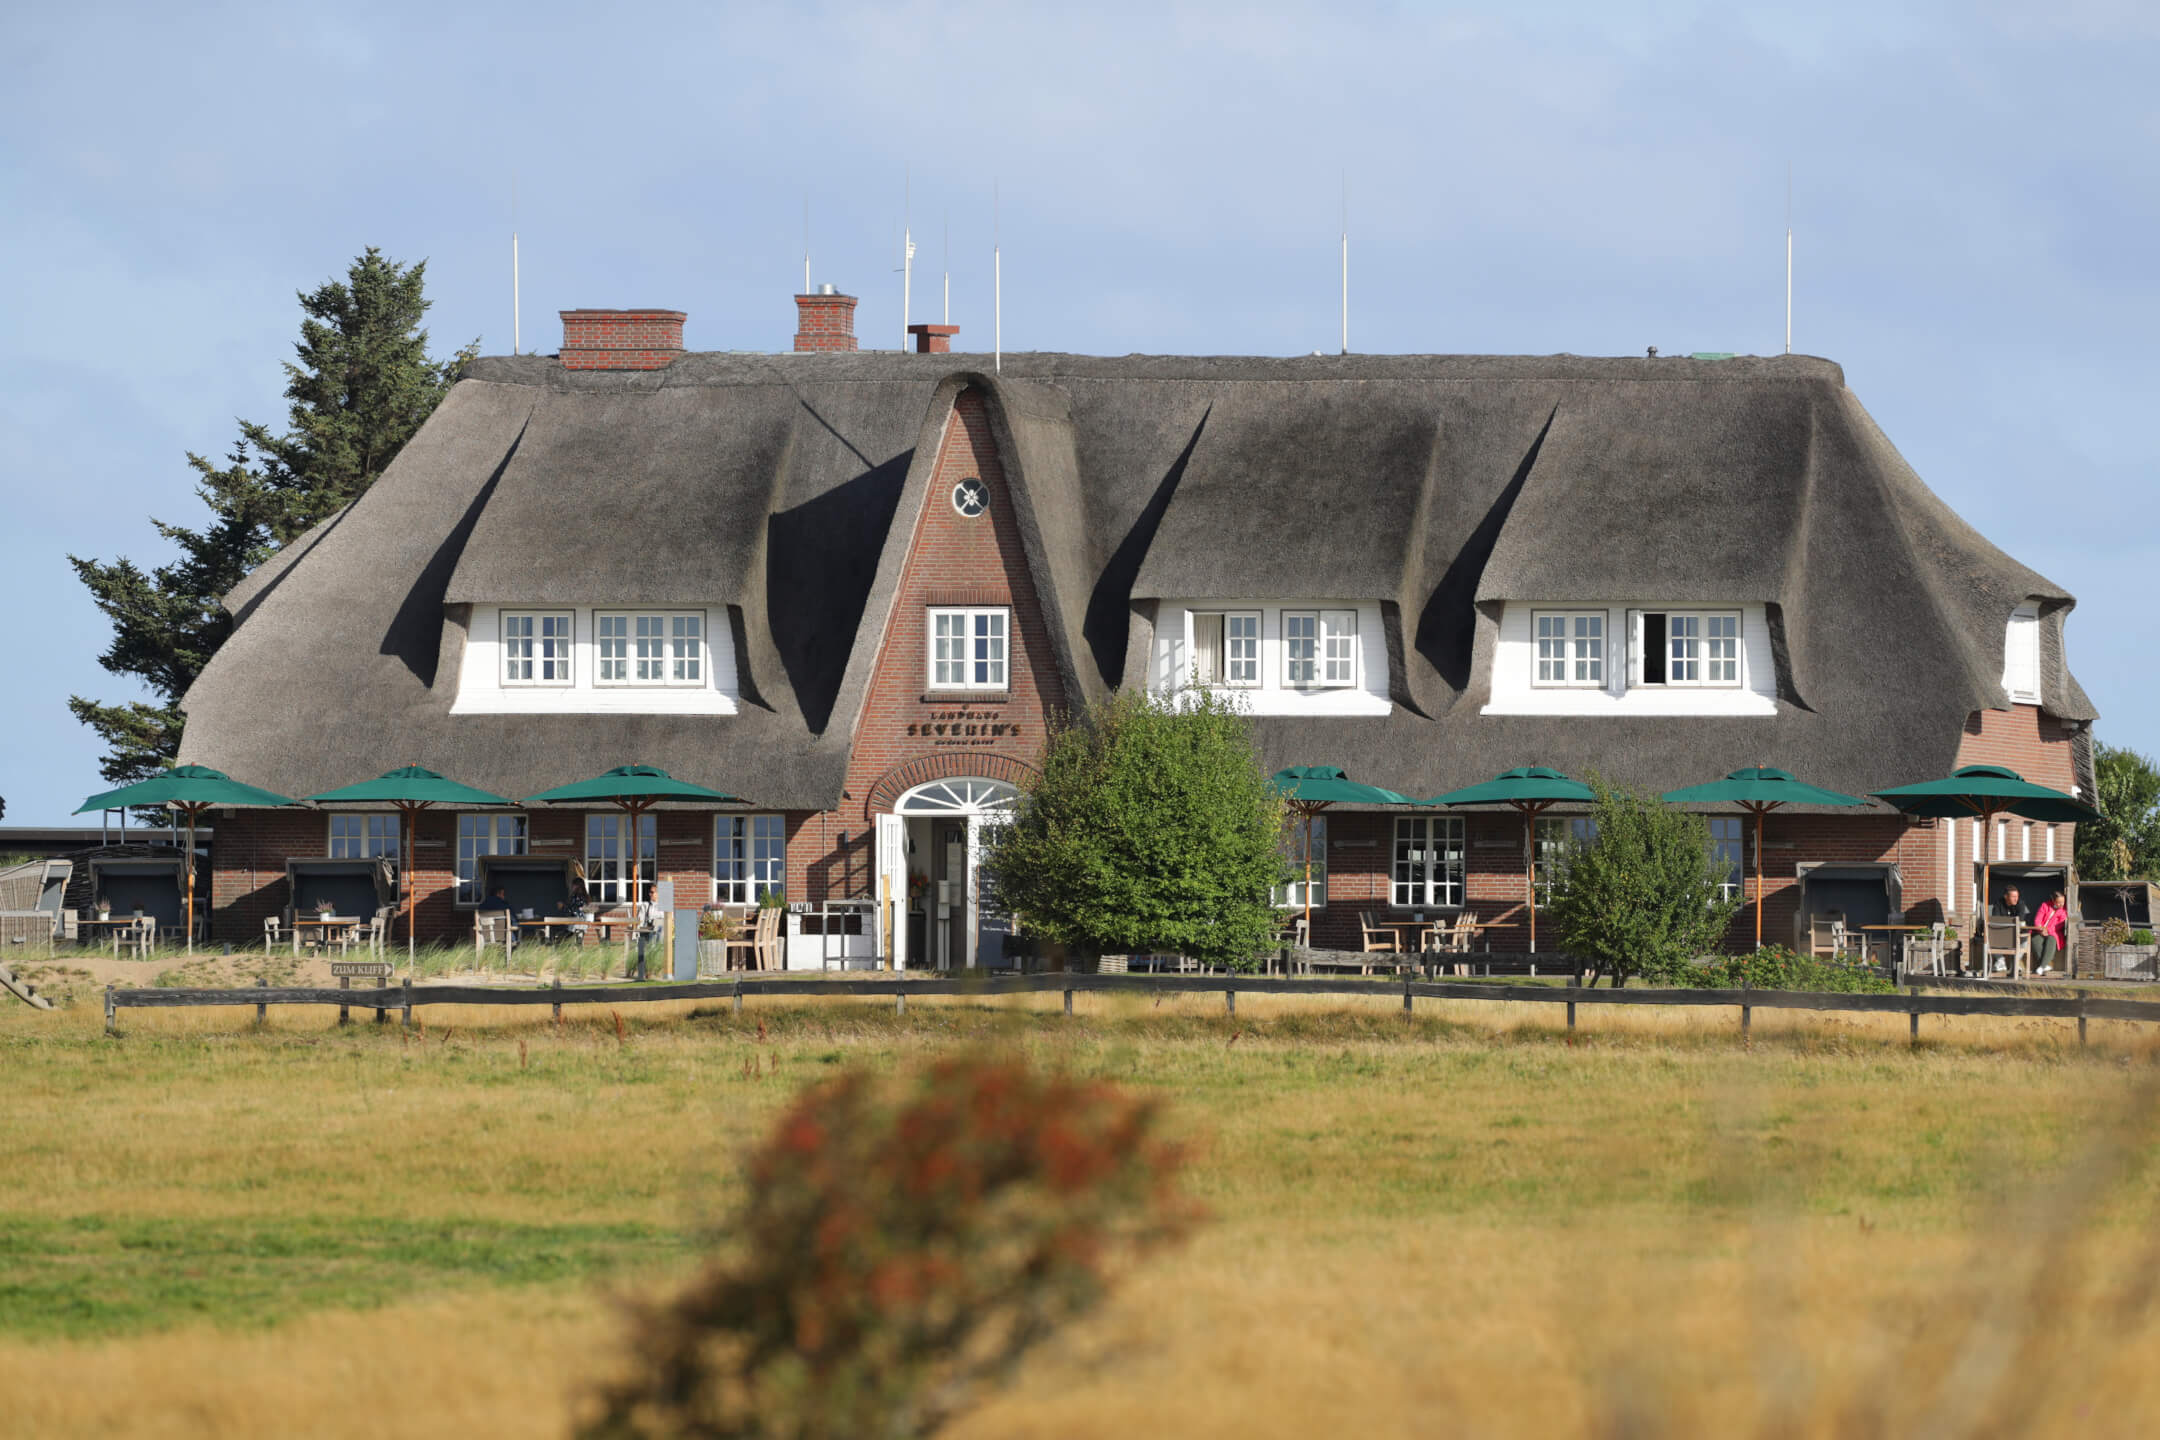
<point x="598" y="660"/>
<point x="1633" y="658"/>
<point x="1279" y="657"/>
<point x="2021" y="655"/>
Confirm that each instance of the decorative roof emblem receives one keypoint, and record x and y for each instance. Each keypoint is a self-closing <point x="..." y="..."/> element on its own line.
<point x="970" y="497"/>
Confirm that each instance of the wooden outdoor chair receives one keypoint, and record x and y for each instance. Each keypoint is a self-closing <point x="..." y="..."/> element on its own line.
<point x="1825" y="937"/>
<point x="375" y="930"/>
<point x="139" y="937"/>
<point x="1377" y="937"/>
<point x="2006" y="943"/>
<point x="273" y="931"/>
<point x="493" y="927"/>
<point x="1924" y="950"/>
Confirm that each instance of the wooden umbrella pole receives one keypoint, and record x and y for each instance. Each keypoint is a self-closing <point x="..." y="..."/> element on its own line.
<point x="189" y="860"/>
<point x="1759" y="811"/>
<point x="1308" y="875"/>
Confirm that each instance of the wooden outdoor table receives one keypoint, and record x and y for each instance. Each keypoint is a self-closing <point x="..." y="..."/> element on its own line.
<point x="325" y="929"/>
<point x="119" y="925"/>
<point x="1891" y="932"/>
<point x="548" y="925"/>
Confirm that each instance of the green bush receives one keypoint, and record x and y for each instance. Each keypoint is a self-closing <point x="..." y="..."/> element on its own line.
<point x="1149" y="827"/>
<point x="902" y="1244"/>
<point x="1642" y="898"/>
<point x="2141" y="937"/>
<point x="1773" y="967"/>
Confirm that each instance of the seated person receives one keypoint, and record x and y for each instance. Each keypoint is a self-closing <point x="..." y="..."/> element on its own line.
<point x="497" y="903"/>
<point x="2050" y="923"/>
<point x="2011" y="907"/>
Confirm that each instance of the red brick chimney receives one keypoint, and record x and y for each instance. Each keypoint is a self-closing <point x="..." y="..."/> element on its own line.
<point x="933" y="339"/>
<point x="825" y="321"/>
<point x="621" y="339"/>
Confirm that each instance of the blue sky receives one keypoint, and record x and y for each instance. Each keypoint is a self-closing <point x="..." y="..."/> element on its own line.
<point x="1974" y="189"/>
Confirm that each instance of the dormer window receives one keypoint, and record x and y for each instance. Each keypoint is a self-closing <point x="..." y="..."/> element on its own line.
<point x="1226" y="648"/>
<point x="629" y="660"/>
<point x="667" y="648"/>
<point x="1320" y="649"/>
<point x="1686" y="647"/>
<point x="537" y="647"/>
<point x="1570" y="647"/>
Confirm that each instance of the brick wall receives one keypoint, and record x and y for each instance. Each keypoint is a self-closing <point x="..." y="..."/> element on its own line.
<point x="907" y="736"/>
<point x="621" y="339"/>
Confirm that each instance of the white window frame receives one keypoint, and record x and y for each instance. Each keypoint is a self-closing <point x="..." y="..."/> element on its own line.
<point x="1569" y="658"/>
<point x="978" y="671"/>
<point x="749" y="858"/>
<point x="1716" y="667"/>
<point x="607" y="876"/>
<point x="539" y="647"/>
<point x="1428" y="865"/>
<point x="470" y="847"/>
<point x="1553" y="836"/>
<point x="1290" y="895"/>
<point x="2021" y="655"/>
<point x="1728" y="838"/>
<point x="1233" y="662"/>
<point x="652" y="650"/>
<point x="1332" y="663"/>
<point x="363" y="835"/>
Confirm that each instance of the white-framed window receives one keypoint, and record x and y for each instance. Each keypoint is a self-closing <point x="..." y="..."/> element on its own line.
<point x="1319" y="649"/>
<point x="1428" y="861"/>
<point x="1697" y="648"/>
<point x="1556" y="836"/>
<point x="538" y="647"/>
<point x="749" y="858"/>
<point x="1570" y="647"/>
<point x="607" y="857"/>
<point x="665" y="647"/>
<point x="1725" y="854"/>
<point x="1291" y="894"/>
<point x="484" y="833"/>
<point x="363" y="837"/>
<point x="968" y="647"/>
<point x="1226" y="647"/>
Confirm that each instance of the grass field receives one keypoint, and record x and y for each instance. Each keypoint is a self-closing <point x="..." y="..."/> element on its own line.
<point x="1454" y="1224"/>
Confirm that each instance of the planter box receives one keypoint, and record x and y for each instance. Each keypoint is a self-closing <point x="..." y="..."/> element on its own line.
<point x="2130" y="962"/>
<point x="711" y="956"/>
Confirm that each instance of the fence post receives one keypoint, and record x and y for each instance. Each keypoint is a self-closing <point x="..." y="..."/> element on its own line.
<point x="111" y="1012"/>
<point x="1068" y="1002"/>
<point x="1229" y="1002"/>
<point x="344" y="1014"/>
<point x="738" y="997"/>
<point x="262" y="1011"/>
<point x="1574" y="983"/>
<point x="558" y="999"/>
<point x="2081" y="1020"/>
<point x="382" y="1012"/>
<point x="1747" y="1021"/>
<point x="408" y="1002"/>
<point x="899" y="1002"/>
<point x="1913" y="1019"/>
<point x="1406" y="999"/>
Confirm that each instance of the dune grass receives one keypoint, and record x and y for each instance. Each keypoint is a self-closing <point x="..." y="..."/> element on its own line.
<point x="1461" y="1216"/>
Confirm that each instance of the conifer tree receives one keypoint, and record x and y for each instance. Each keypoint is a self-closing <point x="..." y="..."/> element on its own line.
<point x="362" y="385"/>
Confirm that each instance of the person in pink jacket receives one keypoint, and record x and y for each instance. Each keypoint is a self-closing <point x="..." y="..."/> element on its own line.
<point x="2049" y="924"/>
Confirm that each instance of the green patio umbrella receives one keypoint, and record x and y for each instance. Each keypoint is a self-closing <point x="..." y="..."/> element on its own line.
<point x="411" y="789"/>
<point x="189" y="789"/>
<point x="1983" y="792"/>
<point x="1530" y="790"/>
<point x="1310" y="789"/>
<point x="1758" y="789"/>
<point x="632" y="789"/>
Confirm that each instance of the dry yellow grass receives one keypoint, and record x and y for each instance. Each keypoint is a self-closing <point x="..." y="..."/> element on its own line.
<point x="1462" y="1225"/>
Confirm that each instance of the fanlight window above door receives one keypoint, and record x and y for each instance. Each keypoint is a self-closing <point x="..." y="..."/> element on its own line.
<point x="958" y="797"/>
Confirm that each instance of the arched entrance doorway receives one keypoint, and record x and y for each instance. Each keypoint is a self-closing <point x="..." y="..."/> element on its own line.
<point x="930" y="856"/>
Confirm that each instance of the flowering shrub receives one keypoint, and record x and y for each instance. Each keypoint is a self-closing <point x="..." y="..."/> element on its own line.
<point x="903" y="1243"/>
<point x="1773" y="967"/>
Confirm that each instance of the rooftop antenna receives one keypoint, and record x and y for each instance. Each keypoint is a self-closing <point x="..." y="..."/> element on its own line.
<point x="1788" y="257"/>
<point x="806" y="243"/>
<point x="997" y="284"/>
<point x="516" y="309"/>
<point x="1346" y="262"/>
<point x="907" y="257"/>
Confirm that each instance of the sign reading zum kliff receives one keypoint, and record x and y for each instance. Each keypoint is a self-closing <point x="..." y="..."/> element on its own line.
<point x="360" y="969"/>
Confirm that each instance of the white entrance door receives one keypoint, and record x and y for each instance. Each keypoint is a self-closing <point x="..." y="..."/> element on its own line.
<point x="978" y="937"/>
<point x="892" y="889"/>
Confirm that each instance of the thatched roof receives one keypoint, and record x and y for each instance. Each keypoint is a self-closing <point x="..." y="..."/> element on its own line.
<point x="783" y="488"/>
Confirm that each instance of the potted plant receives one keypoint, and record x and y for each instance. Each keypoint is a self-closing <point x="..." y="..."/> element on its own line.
<point x="774" y="899"/>
<point x="104" y="907"/>
<point x="715" y="928"/>
<point x="324" y="909"/>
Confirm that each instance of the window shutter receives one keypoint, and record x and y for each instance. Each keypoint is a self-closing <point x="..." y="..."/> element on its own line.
<point x="1634" y="649"/>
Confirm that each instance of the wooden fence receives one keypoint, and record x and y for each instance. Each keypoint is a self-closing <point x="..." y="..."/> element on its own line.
<point x="403" y="997"/>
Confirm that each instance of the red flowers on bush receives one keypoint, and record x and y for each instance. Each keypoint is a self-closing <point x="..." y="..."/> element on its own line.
<point x="903" y="1243"/>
